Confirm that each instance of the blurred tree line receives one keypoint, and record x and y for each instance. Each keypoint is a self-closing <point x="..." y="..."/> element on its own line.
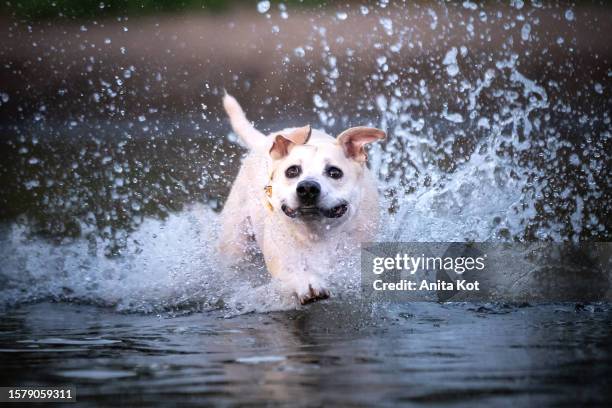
<point x="49" y="9"/>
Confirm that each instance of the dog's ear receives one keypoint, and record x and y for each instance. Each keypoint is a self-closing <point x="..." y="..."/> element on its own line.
<point x="354" y="139"/>
<point x="283" y="143"/>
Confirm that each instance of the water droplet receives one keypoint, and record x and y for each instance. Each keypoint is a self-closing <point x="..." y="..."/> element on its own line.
<point x="569" y="15"/>
<point x="387" y="25"/>
<point x="434" y="19"/>
<point x="263" y="6"/>
<point x="453" y="117"/>
<point x="318" y="101"/>
<point x="574" y="159"/>
<point x="484" y="123"/>
<point x="450" y="60"/>
<point x="341" y="15"/>
<point x="526" y="31"/>
<point x="598" y="88"/>
<point x="31" y="184"/>
<point x="299" y="52"/>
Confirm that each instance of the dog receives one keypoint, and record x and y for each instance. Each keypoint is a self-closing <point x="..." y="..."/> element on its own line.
<point x="300" y="193"/>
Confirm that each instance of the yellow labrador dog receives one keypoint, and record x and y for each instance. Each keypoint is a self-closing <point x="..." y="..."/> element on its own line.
<point x="300" y="193"/>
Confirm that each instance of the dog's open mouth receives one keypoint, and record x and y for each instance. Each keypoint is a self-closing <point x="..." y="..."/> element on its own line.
<point x="313" y="212"/>
<point x="334" y="212"/>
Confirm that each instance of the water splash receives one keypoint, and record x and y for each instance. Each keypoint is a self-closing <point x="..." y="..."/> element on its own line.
<point x="122" y="211"/>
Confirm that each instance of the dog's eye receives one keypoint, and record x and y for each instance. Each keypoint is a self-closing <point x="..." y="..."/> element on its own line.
<point x="293" y="171"/>
<point x="334" y="172"/>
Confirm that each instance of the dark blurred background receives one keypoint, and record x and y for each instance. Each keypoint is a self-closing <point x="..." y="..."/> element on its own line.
<point x="110" y="110"/>
<point x="174" y="55"/>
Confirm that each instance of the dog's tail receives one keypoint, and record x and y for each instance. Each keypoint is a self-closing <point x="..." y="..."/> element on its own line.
<point x="253" y="138"/>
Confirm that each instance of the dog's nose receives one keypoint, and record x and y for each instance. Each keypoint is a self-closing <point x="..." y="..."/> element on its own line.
<point x="308" y="191"/>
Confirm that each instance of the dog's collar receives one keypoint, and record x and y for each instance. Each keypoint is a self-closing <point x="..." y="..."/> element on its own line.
<point x="268" y="192"/>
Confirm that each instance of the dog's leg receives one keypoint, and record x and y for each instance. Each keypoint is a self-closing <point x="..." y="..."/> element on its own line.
<point x="233" y="240"/>
<point x="309" y="288"/>
<point x="236" y="229"/>
<point x="290" y="268"/>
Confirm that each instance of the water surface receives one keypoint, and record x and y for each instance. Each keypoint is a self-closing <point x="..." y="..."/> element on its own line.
<point x="326" y="353"/>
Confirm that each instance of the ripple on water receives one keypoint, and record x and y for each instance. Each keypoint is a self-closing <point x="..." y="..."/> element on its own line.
<point x="100" y="374"/>
<point x="260" y="359"/>
<point x="71" y="342"/>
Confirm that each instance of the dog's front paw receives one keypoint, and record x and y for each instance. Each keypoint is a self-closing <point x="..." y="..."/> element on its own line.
<point x="311" y="290"/>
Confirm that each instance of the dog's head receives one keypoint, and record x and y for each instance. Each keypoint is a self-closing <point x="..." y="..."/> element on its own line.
<point x="319" y="179"/>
